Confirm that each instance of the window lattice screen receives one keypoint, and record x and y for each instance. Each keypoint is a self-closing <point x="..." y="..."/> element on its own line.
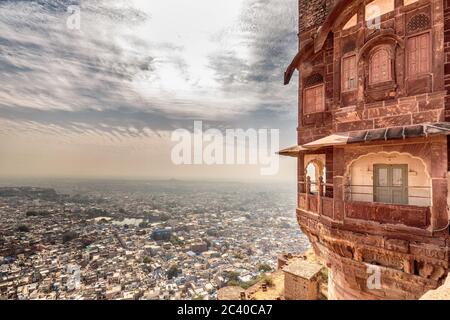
<point x="313" y="80"/>
<point x="418" y="22"/>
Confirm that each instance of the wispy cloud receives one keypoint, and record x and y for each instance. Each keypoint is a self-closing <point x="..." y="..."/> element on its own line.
<point x="140" y="68"/>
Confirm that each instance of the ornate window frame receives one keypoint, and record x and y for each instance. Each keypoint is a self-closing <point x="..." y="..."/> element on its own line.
<point x="390" y="65"/>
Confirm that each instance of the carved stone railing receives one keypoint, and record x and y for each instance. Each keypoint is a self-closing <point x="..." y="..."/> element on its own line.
<point x="411" y="216"/>
<point x="316" y="201"/>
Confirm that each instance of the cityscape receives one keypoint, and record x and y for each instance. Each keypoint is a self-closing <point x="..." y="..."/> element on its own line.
<point x="141" y="240"/>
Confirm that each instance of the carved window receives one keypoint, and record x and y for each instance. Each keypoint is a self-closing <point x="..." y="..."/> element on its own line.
<point x="418" y="53"/>
<point x="314" y="100"/>
<point x="380" y="66"/>
<point x="349" y="73"/>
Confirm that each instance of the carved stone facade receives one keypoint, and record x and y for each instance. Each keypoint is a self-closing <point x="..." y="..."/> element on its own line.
<point x="379" y="131"/>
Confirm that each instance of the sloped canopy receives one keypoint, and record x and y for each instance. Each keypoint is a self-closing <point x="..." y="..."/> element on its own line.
<point x="303" y="54"/>
<point x="384" y="134"/>
<point x="291" y="151"/>
<point x="405" y="132"/>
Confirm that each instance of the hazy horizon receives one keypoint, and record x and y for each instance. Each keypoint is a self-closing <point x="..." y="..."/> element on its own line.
<point x="6" y="179"/>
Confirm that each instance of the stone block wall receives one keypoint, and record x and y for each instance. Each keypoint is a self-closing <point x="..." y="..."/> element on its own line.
<point x="312" y="13"/>
<point x="405" y="101"/>
<point x="297" y="288"/>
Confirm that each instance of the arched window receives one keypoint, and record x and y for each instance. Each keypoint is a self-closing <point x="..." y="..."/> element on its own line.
<point x="380" y="66"/>
<point x="314" y="171"/>
<point x="397" y="178"/>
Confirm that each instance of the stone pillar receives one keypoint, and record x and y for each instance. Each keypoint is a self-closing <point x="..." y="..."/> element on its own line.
<point x="439" y="213"/>
<point x="329" y="174"/>
<point x="338" y="183"/>
<point x="300" y="174"/>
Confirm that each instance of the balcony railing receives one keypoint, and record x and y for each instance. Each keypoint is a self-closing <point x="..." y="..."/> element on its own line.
<point x="413" y="195"/>
<point x="317" y="198"/>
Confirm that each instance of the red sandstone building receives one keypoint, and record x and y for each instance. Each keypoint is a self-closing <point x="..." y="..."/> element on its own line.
<point x="374" y="84"/>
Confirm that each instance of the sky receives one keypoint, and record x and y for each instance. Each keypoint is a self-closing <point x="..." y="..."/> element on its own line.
<point x="102" y="100"/>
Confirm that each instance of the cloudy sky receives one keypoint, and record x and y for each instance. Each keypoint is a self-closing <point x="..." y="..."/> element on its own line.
<point x="102" y="101"/>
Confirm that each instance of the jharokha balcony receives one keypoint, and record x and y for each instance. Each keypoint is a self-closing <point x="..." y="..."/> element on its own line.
<point x="316" y="200"/>
<point x="393" y="178"/>
<point x="377" y="198"/>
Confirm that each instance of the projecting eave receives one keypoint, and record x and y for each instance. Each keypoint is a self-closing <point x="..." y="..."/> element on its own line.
<point x="362" y="136"/>
<point x="305" y="52"/>
<point x="291" y="151"/>
<point x="384" y="134"/>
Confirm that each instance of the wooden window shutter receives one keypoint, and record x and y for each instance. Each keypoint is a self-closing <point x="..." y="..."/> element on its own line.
<point x="314" y="99"/>
<point x="349" y="73"/>
<point x="380" y="66"/>
<point x="418" y="48"/>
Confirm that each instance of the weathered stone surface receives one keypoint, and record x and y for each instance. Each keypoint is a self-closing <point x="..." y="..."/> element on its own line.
<point x="393" y="110"/>
<point x="312" y="13"/>
<point x="397" y="245"/>
<point x="393" y="121"/>
<point x="383" y="213"/>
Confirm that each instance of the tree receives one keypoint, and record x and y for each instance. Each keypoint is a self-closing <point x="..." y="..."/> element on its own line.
<point x="233" y="283"/>
<point x="264" y="267"/>
<point x="103" y="221"/>
<point x="23" y="228"/>
<point x="238" y="255"/>
<point x="267" y="280"/>
<point x="233" y="276"/>
<point x="143" y="224"/>
<point x="69" y="236"/>
<point x="147" y="260"/>
<point x="173" y="272"/>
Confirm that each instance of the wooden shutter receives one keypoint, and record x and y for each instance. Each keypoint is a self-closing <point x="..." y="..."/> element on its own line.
<point x="349" y="73"/>
<point x="380" y="66"/>
<point x="314" y="99"/>
<point x="418" y="52"/>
